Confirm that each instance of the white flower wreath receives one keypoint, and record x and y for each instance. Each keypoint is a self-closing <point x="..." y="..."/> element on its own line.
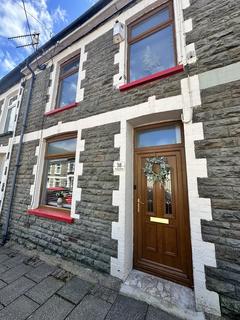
<point x="162" y="176"/>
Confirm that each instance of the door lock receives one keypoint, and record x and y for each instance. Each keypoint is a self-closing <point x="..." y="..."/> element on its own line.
<point x="139" y="205"/>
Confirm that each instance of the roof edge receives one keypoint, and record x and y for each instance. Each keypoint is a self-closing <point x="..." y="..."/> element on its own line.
<point x="14" y="76"/>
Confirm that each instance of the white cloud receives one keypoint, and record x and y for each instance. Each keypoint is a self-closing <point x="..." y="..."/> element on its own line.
<point x="92" y="2"/>
<point x="13" y="23"/>
<point x="7" y="62"/>
<point x="59" y="15"/>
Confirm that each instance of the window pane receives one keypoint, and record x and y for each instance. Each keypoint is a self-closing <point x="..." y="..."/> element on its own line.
<point x="68" y="89"/>
<point x="69" y="66"/>
<point x="9" y="124"/>
<point x="152" y="54"/>
<point x="60" y="183"/>
<point x="2" y="161"/>
<point x="158" y="137"/>
<point x="156" y="19"/>
<point x="61" y="147"/>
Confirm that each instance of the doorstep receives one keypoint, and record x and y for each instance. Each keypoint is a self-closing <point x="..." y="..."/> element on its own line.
<point x="166" y="295"/>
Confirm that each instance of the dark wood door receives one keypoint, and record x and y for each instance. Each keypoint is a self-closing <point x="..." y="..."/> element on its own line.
<point x="162" y="233"/>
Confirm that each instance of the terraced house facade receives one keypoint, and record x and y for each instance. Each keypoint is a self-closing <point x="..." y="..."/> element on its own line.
<point x="131" y="85"/>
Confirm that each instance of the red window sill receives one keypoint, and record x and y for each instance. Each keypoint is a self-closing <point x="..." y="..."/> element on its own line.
<point x="152" y="77"/>
<point x="49" y="213"/>
<point x="60" y="109"/>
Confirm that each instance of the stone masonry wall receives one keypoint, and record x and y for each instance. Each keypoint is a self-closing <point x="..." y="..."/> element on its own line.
<point x="220" y="114"/>
<point x="87" y="240"/>
<point x="100" y="96"/>
<point x="216" y="33"/>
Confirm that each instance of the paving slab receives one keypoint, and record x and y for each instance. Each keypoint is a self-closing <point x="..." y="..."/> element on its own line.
<point x="3" y="257"/>
<point x="15" y="289"/>
<point x="19" y="309"/>
<point x="2" y="284"/>
<point x="90" y="308"/>
<point x="55" y="308"/>
<point x="104" y="293"/>
<point x="126" y="308"/>
<point x="44" y="290"/>
<point x="75" y="290"/>
<point x="15" y="273"/>
<point x="157" y="314"/>
<point x="3" y="268"/>
<point x="14" y="261"/>
<point x="41" y="272"/>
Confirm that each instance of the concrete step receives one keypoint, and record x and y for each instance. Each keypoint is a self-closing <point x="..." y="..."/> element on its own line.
<point x="168" y="296"/>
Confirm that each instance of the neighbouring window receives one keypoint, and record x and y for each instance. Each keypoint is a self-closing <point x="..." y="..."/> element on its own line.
<point x="11" y="113"/>
<point x="2" y="162"/>
<point x="68" y="79"/>
<point x="58" y="183"/>
<point x="151" y="42"/>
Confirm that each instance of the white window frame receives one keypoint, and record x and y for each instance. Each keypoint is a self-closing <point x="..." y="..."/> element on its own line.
<point x="9" y="126"/>
<point x="5" y="109"/>
<point x="58" y="61"/>
<point x="58" y="168"/>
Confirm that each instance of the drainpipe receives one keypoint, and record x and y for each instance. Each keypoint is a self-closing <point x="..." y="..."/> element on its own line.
<point x="17" y="165"/>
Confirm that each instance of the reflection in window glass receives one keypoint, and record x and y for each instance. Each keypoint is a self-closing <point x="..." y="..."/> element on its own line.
<point x="150" y="196"/>
<point x="60" y="183"/>
<point x="156" y="19"/>
<point x="63" y="146"/>
<point x="158" y="137"/>
<point x="71" y="66"/>
<point x="168" y="194"/>
<point x="68" y="89"/>
<point x="152" y="54"/>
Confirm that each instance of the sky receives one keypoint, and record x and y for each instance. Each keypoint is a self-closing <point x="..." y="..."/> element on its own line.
<point x="45" y="16"/>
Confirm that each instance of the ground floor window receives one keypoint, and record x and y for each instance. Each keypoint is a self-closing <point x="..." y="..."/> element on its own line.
<point x="57" y="185"/>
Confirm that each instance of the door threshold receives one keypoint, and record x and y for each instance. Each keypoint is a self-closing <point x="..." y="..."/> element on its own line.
<point x="168" y="296"/>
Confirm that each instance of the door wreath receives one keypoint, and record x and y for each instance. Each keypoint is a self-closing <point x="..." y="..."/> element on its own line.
<point x="162" y="175"/>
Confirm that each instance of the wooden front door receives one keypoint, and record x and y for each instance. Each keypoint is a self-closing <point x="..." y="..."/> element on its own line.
<point x="162" y="233"/>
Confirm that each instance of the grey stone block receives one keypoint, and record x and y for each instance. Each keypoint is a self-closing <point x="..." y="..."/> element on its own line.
<point x="41" y="272"/>
<point x="19" y="309"/>
<point x="15" y="273"/>
<point x="104" y="293"/>
<point x="90" y="308"/>
<point x="75" y="290"/>
<point x="55" y="308"/>
<point x="44" y="290"/>
<point x="157" y="314"/>
<point x="14" y="290"/>
<point x="126" y="308"/>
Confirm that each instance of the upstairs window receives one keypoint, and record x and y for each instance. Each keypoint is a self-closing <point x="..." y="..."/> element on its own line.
<point x="68" y="79"/>
<point x="151" y="43"/>
<point x="10" y="116"/>
<point x="58" y="183"/>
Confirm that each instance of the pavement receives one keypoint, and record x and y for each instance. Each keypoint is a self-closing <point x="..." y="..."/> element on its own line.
<point x="33" y="289"/>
